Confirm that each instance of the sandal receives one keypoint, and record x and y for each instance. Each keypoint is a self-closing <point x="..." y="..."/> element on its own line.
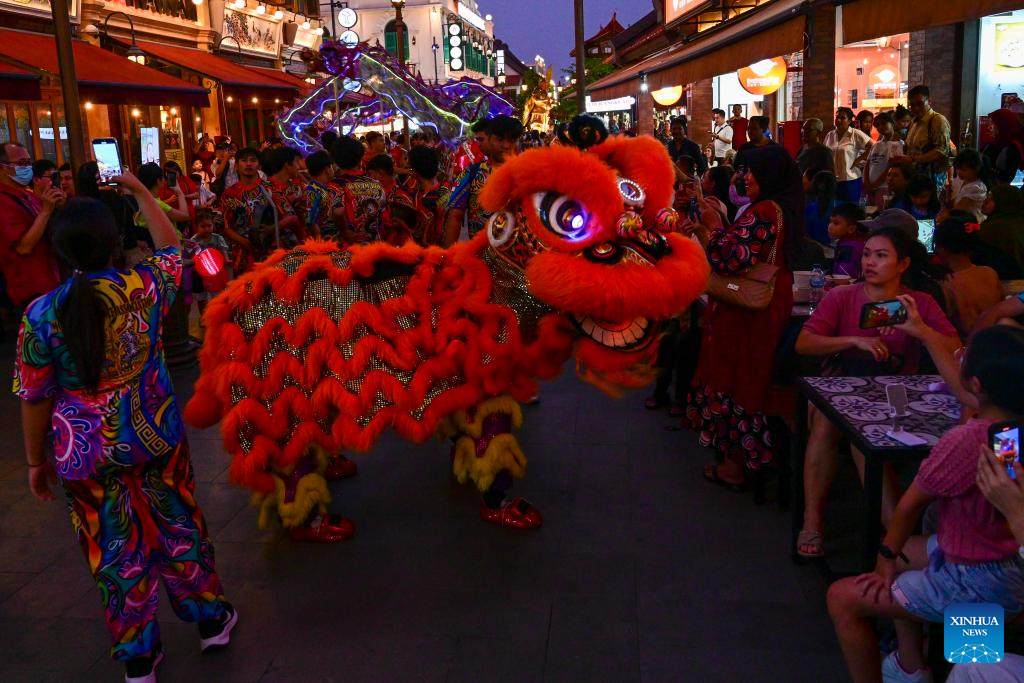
<point x="711" y="474"/>
<point x="677" y="410"/>
<point x="813" y="539"/>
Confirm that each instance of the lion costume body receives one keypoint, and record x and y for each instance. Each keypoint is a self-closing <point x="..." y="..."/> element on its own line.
<point x="321" y="348"/>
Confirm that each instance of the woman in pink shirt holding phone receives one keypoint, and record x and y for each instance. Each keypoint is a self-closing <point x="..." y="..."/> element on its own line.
<point x="835" y="330"/>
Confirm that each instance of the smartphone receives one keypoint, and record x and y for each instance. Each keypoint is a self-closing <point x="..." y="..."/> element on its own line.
<point x="172" y="178"/>
<point x="108" y="158"/>
<point x="882" y="314"/>
<point x="55" y="179"/>
<point x="926" y="234"/>
<point x="1004" y="438"/>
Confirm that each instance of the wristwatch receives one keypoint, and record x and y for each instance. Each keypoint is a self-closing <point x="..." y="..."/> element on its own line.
<point x="890" y="554"/>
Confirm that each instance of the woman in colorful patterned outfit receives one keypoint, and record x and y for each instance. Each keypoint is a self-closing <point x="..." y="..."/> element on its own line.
<point x="91" y="375"/>
<point x="727" y="401"/>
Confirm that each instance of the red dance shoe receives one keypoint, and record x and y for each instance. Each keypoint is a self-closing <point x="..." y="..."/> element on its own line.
<point x="332" y="529"/>
<point x="513" y="514"/>
<point x="340" y="467"/>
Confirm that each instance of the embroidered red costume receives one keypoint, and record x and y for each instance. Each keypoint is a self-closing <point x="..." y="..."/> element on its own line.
<point x="319" y="349"/>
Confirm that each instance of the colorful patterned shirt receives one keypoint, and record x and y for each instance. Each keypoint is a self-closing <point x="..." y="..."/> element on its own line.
<point x="466" y="195"/>
<point x="364" y="201"/>
<point x="132" y="417"/>
<point x="321" y="203"/>
<point x="245" y="209"/>
<point x="432" y="204"/>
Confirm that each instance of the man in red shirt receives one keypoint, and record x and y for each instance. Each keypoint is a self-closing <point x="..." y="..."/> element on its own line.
<point x="26" y="258"/>
<point x="282" y="168"/>
<point x="363" y="198"/>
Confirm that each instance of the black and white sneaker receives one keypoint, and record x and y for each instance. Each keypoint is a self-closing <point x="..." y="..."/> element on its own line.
<point x="143" y="669"/>
<point x="215" y="634"/>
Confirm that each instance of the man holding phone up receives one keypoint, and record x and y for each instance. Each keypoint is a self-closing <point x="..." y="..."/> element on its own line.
<point x="26" y="259"/>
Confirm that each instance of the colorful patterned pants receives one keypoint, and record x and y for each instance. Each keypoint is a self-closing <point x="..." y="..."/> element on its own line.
<point x="138" y="527"/>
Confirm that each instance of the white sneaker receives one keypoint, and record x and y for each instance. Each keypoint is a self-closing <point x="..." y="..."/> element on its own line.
<point x="216" y="636"/>
<point x="892" y="672"/>
<point x="149" y="677"/>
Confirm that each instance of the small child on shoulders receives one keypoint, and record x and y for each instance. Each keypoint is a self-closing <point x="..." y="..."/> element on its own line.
<point x="849" y="237"/>
<point x="974" y="557"/>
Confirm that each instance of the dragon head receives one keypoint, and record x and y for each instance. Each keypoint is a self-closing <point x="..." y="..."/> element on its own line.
<point x="590" y="223"/>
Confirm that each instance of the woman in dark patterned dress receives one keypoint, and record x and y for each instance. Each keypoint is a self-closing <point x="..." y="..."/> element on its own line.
<point x="727" y="401"/>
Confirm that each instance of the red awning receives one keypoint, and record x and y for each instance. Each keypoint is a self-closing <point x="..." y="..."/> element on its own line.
<point x="18" y="84"/>
<point x="238" y="80"/>
<point x="103" y="77"/>
<point x="289" y="79"/>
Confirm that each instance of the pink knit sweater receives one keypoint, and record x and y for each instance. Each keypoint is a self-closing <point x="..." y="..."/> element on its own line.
<point x="970" y="529"/>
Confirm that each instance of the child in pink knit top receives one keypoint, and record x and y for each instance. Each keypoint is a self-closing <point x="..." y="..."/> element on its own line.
<point x="973" y="558"/>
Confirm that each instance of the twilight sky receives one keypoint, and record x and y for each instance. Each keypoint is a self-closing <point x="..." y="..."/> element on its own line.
<point x="545" y="27"/>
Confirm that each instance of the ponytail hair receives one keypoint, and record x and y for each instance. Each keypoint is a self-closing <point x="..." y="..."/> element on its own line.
<point x="86" y="237"/>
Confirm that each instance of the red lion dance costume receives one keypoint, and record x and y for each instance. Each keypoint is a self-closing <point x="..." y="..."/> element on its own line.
<point x="321" y="348"/>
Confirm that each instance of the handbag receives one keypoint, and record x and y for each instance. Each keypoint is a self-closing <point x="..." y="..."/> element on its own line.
<point x="752" y="289"/>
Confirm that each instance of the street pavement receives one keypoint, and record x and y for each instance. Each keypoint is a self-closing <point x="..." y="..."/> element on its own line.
<point x="642" y="571"/>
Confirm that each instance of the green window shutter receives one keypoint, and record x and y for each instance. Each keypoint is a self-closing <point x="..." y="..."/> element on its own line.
<point x="447" y="53"/>
<point x="390" y="42"/>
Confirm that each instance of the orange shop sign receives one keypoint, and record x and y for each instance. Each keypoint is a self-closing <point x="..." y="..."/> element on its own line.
<point x="677" y="8"/>
<point x="763" y="77"/>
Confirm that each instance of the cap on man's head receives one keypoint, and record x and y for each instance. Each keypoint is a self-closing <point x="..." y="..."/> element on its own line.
<point x="893" y="218"/>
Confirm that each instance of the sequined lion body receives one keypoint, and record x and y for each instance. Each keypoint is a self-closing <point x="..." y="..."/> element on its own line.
<point x="321" y="348"/>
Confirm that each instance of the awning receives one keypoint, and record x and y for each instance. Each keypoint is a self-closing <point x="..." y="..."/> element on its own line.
<point x="865" y="19"/>
<point x="776" y="30"/>
<point x="103" y="77"/>
<point x="288" y="79"/>
<point x="18" y="84"/>
<point x="238" y="80"/>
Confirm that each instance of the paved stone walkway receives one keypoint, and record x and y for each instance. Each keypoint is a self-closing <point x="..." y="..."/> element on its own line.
<point x="642" y="571"/>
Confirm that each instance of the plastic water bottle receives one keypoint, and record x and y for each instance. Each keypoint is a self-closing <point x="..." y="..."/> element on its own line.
<point x="817" y="286"/>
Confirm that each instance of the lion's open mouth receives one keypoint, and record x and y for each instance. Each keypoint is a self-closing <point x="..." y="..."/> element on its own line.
<point x="615" y="335"/>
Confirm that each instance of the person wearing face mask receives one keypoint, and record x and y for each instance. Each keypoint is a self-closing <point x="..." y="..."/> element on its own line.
<point x="26" y="258"/>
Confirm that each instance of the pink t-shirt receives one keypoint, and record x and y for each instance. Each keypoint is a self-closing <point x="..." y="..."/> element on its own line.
<point x="971" y="530"/>
<point x="838" y="315"/>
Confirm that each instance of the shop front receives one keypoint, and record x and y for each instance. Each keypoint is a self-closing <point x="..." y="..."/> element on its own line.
<point x="701" y="72"/>
<point x="114" y="91"/>
<point x="248" y="98"/>
<point x="617" y="113"/>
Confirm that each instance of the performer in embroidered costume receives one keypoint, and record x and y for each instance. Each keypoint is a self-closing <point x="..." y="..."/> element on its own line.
<point x="319" y="349"/>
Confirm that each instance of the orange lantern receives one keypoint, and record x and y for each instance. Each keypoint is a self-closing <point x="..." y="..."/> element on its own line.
<point x="763" y="77"/>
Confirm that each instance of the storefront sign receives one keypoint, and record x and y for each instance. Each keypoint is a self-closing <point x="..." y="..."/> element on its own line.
<point x="764" y="77"/>
<point x="305" y="38"/>
<point x="1010" y="45"/>
<point x="677" y="8"/>
<point x="885" y="82"/>
<point x="254" y="34"/>
<point x="472" y="17"/>
<point x="666" y="97"/>
<point x="617" y="104"/>
<point x="47" y="133"/>
<point x="37" y="7"/>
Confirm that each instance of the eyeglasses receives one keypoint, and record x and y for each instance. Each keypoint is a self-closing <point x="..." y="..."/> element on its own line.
<point x="19" y="162"/>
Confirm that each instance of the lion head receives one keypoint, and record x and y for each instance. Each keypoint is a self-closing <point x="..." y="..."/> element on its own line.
<point x="592" y="228"/>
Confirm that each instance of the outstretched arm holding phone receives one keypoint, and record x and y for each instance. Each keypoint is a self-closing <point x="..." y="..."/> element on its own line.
<point x="158" y="223"/>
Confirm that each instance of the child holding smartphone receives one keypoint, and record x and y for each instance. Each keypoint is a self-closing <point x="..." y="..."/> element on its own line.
<point x="974" y="557"/>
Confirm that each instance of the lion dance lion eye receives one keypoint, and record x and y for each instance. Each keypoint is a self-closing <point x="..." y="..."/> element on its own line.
<point x="562" y="215"/>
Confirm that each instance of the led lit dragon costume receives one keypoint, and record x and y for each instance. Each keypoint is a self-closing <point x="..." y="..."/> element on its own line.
<point x="321" y="348"/>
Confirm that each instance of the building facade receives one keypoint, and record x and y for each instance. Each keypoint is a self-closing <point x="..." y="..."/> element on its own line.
<point x="429" y="47"/>
<point x="795" y="59"/>
<point x="165" y="69"/>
